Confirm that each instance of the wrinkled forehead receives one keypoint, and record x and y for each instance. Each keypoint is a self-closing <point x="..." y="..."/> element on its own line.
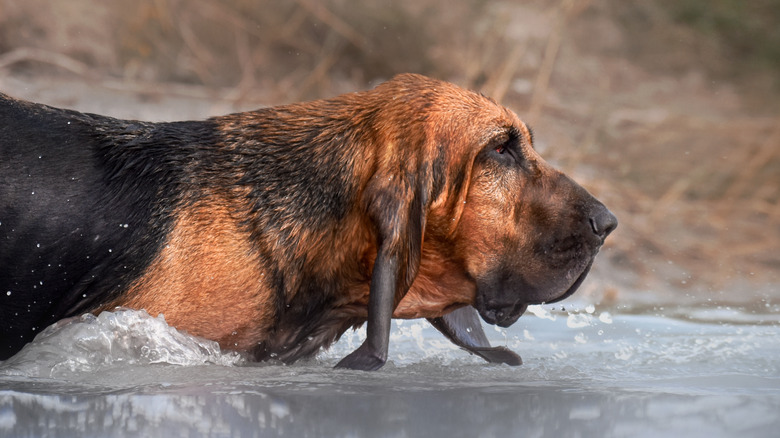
<point x="444" y="106"/>
<point x="480" y="113"/>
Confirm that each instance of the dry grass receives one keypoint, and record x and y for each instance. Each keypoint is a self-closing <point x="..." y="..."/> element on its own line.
<point x="690" y="169"/>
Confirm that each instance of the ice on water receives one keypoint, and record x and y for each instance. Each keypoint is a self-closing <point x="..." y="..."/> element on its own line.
<point x="588" y="371"/>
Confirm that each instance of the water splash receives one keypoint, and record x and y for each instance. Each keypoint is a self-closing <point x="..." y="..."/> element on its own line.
<point x="587" y="368"/>
<point x="124" y="337"/>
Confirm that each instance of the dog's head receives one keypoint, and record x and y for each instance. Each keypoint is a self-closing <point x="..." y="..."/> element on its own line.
<point x="523" y="232"/>
<point x="528" y="234"/>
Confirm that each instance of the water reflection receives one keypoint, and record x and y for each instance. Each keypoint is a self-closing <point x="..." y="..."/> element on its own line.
<point x="296" y="411"/>
<point x="588" y="374"/>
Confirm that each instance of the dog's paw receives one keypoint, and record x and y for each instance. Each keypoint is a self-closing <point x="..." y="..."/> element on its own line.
<point x="362" y="359"/>
<point x="498" y="355"/>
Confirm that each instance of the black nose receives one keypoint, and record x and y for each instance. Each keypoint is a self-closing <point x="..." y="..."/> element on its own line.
<point x="602" y="221"/>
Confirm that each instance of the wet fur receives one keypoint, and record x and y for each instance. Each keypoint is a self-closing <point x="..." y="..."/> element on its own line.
<point x="263" y="230"/>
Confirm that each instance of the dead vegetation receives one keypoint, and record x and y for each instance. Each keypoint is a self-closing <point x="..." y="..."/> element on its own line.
<point x="628" y="96"/>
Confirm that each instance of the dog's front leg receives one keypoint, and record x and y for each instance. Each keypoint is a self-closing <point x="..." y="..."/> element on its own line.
<point x="463" y="328"/>
<point x="372" y="354"/>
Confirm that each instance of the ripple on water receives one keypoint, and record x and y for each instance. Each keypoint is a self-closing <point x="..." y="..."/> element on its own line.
<point x="589" y="373"/>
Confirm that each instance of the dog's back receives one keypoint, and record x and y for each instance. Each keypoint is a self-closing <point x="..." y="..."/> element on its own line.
<point x="274" y="231"/>
<point x="88" y="202"/>
<point x="67" y="213"/>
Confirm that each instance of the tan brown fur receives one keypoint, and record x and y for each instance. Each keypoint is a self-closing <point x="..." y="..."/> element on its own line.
<point x="212" y="280"/>
<point x="280" y="228"/>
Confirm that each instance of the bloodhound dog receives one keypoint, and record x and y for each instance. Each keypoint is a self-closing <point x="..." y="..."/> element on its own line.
<point x="274" y="231"/>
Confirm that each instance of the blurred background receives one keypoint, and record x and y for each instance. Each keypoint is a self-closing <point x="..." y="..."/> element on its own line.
<point x="667" y="110"/>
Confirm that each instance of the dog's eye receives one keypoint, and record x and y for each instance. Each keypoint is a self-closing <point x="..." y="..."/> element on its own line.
<point x="506" y="151"/>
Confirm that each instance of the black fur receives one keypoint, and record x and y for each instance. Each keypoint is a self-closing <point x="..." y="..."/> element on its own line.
<point x="334" y="198"/>
<point x="84" y="203"/>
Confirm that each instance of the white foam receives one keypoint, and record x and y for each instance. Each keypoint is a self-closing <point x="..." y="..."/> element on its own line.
<point x="123" y="337"/>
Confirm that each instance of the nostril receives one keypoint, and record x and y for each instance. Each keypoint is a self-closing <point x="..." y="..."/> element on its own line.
<point x="603" y="223"/>
<point x="594" y="226"/>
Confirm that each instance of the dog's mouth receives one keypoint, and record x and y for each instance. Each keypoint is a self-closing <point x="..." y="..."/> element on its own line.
<point x="504" y="314"/>
<point x="574" y="286"/>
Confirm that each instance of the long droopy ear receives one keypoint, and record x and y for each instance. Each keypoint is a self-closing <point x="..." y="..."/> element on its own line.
<point x="397" y="200"/>
<point x="414" y="175"/>
<point x="398" y="206"/>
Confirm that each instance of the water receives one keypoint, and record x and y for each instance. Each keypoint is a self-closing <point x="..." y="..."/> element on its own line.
<point x="590" y="372"/>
